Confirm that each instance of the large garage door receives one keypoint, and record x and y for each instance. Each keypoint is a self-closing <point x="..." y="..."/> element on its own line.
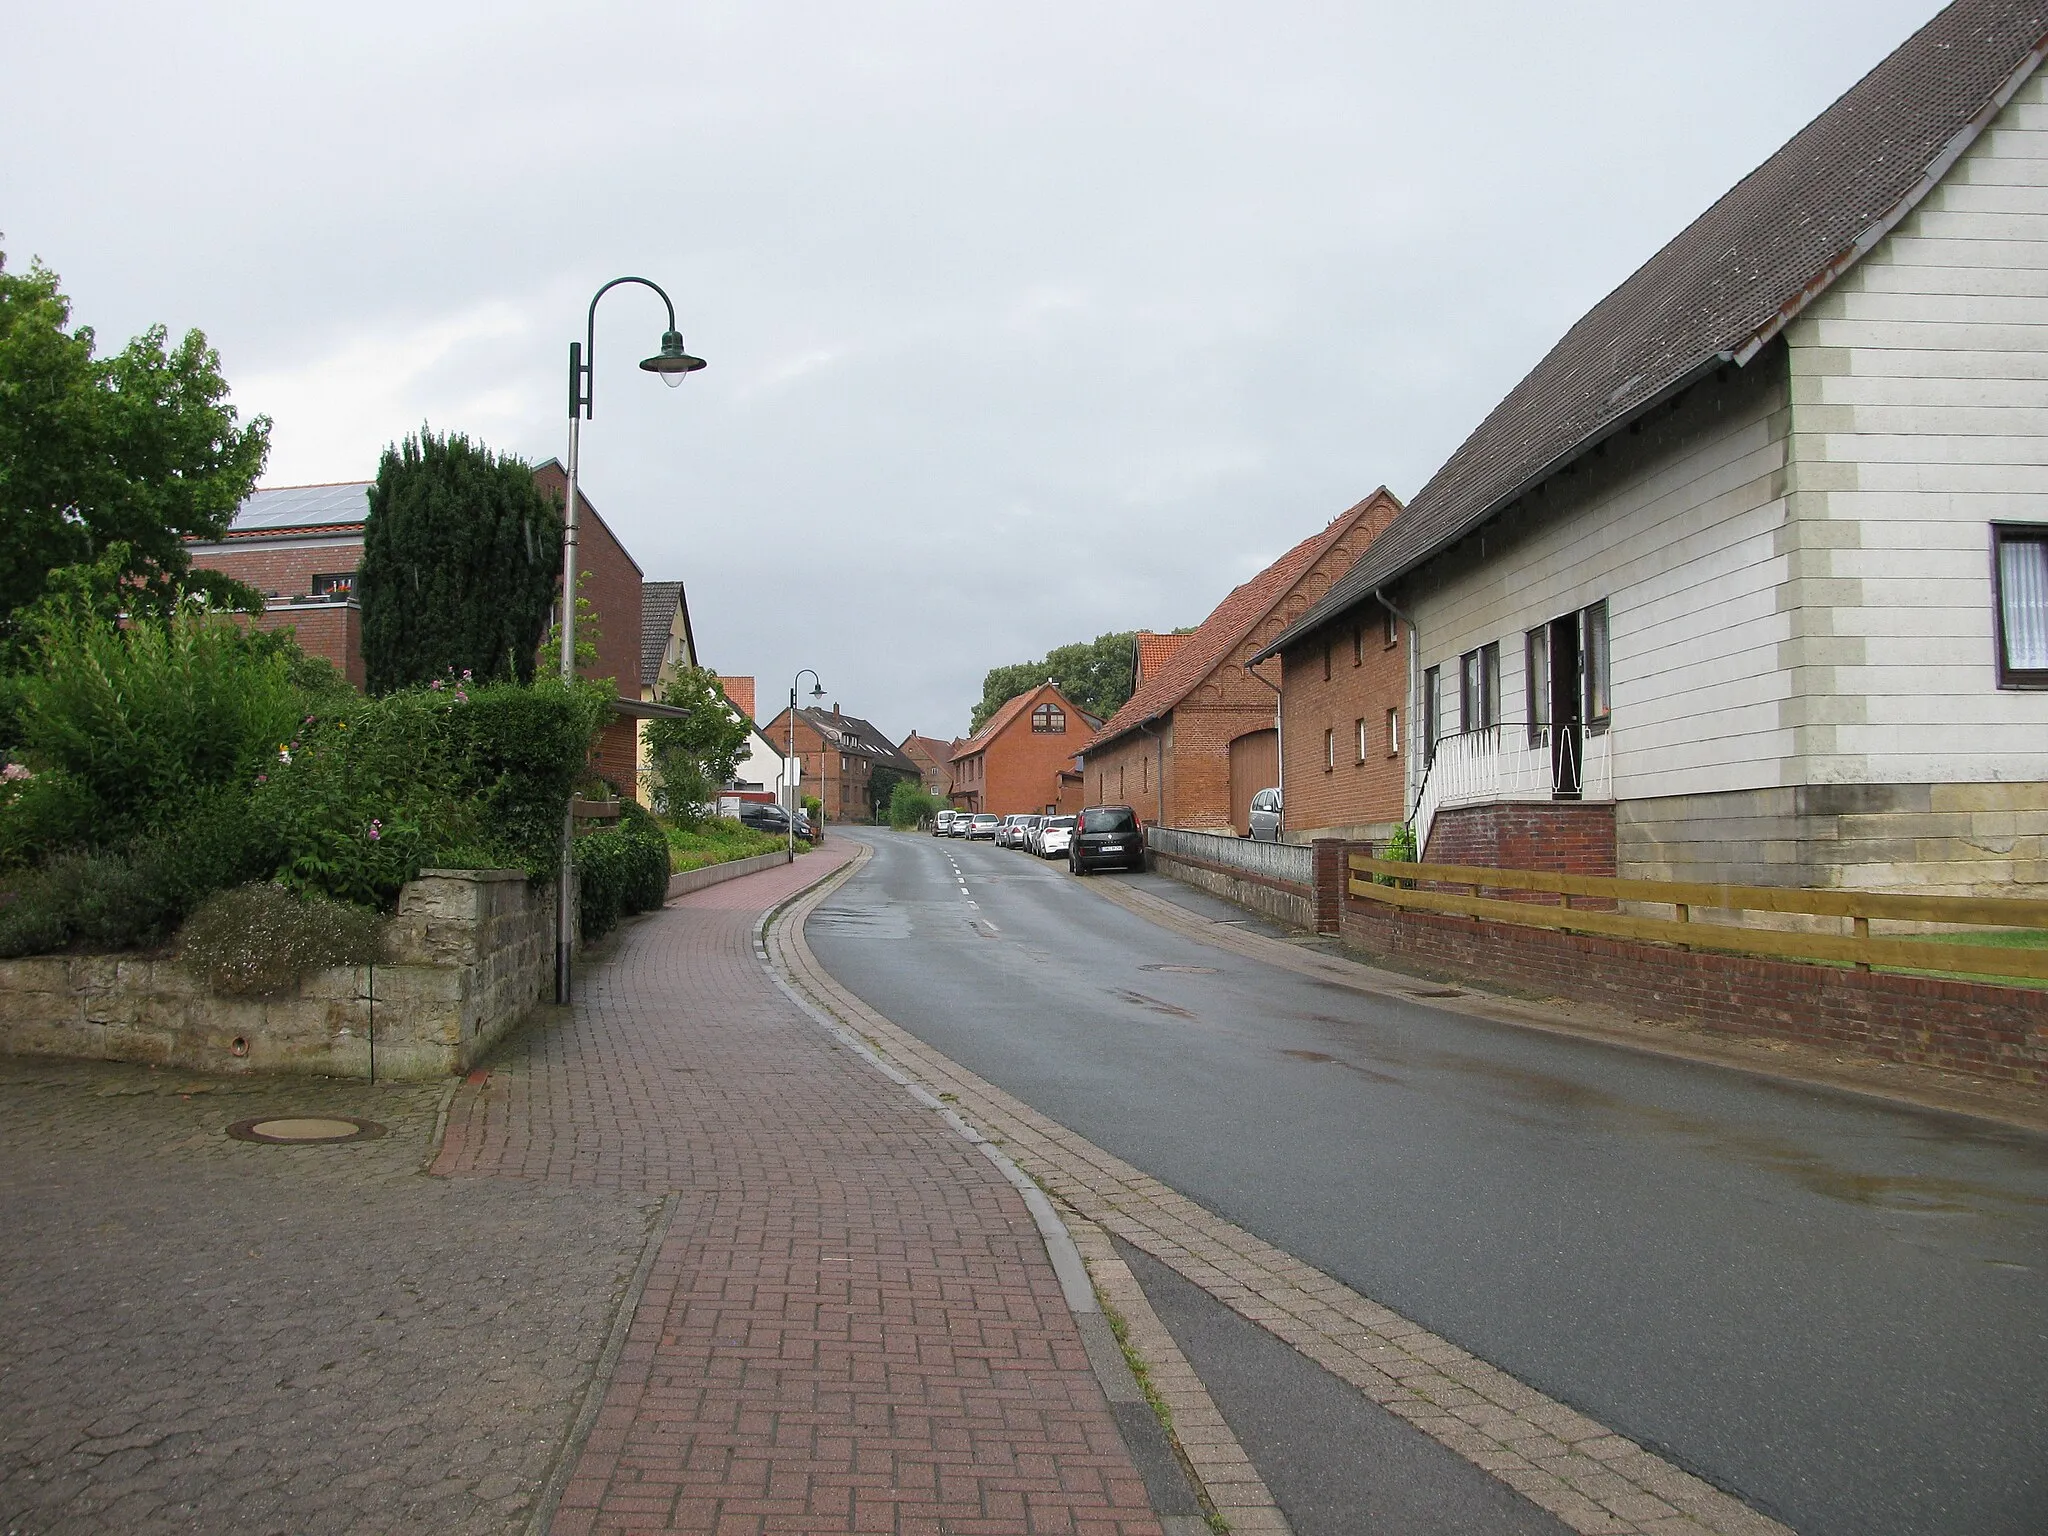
<point x="1254" y="765"/>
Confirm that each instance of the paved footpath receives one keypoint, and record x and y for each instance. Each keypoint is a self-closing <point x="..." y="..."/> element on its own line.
<point x="850" y="1322"/>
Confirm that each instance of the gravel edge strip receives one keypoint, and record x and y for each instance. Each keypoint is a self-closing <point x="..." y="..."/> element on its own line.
<point x="1595" y="1481"/>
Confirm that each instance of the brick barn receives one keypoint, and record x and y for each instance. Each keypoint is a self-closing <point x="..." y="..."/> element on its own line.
<point x="1201" y="735"/>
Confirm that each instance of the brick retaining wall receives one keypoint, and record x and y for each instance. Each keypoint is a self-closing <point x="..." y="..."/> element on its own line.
<point x="1979" y="1028"/>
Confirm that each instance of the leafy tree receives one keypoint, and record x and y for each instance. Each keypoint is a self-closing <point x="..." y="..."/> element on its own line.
<point x="695" y="756"/>
<point x="911" y="804"/>
<point x="459" y="562"/>
<point x="1096" y="675"/>
<point x="882" y="783"/>
<point x="139" y="450"/>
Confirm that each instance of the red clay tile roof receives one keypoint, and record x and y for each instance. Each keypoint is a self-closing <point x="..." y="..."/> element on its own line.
<point x="1217" y="636"/>
<point x="1155" y="651"/>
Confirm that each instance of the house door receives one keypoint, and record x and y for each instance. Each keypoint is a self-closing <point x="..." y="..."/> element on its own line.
<point x="1254" y="765"/>
<point x="1567" y="707"/>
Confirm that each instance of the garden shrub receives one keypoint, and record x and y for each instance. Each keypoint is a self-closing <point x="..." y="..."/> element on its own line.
<point x="258" y="940"/>
<point x="622" y="870"/>
<point x="124" y="727"/>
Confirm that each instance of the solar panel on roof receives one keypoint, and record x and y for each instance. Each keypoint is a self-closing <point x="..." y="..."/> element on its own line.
<point x="302" y="506"/>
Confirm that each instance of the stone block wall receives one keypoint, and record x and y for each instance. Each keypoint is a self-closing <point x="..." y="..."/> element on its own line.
<point x="1935" y="839"/>
<point x="472" y="952"/>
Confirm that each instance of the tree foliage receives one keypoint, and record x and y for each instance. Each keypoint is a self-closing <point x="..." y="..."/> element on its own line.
<point x="695" y="757"/>
<point x="1096" y="675"/>
<point x="911" y="804"/>
<point x="139" y="450"/>
<point x="460" y="556"/>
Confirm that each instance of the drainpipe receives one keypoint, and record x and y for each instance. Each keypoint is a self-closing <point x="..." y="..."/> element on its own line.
<point x="1159" y="778"/>
<point x="1416" y="717"/>
<point x="1279" y="746"/>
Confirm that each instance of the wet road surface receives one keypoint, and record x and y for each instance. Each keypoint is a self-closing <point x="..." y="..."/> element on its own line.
<point x="1833" y="1307"/>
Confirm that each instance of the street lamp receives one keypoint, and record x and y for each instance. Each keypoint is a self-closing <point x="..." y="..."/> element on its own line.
<point x="673" y="364"/>
<point x="795" y="778"/>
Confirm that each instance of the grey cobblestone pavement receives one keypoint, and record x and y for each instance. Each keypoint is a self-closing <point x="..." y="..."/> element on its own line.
<point x="206" y="1335"/>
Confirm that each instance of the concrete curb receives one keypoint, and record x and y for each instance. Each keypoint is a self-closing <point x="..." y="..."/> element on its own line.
<point x="1169" y="1481"/>
<point x="683" y="882"/>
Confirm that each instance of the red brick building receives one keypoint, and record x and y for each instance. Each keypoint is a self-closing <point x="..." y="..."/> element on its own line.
<point x="1343" y="688"/>
<point x="934" y="759"/>
<point x="301" y="545"/>
<point x="840" y="754"/>
<point x="1012" y="765"/>
<point x="1200" y="736"/>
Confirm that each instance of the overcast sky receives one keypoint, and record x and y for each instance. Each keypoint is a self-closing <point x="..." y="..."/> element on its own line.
<point x="1024" y="323"/>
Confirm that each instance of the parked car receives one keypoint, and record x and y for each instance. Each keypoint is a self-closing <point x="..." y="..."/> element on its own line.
<point x="958" y="826"/>
<point x="1265" y="816"/>
<point x="1029" y="841"/>
<point x="763" y="817"/>
<point x="1002" y="838"/>
<point x="1014" y="828"/>
<point x="942" y="824"/>
<point x="1055" y="836"/>
<point x="804" y="829"/>
<point x="984" y="825"/>
<point x="1108" y="836"/>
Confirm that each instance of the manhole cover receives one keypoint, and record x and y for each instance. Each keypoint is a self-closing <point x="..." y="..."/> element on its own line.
<point x="297" y="1130"/>
<point x="1182" y="970"/>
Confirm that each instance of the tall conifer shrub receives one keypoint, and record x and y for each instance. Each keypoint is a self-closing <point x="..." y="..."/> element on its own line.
<point x="460" y="557"/>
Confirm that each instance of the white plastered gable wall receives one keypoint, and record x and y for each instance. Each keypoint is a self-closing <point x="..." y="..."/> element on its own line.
<point x="1920" y="418"/>
<point x="1677" y="528"/>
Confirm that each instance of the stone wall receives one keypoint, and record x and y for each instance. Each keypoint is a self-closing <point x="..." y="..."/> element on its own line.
<point x="472" y="952"/>
<point x="1273" y="878"/>
<point x="1932" y="839"/>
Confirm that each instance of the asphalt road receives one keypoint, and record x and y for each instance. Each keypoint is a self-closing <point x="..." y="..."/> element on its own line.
<point x="1835" y="1308"/>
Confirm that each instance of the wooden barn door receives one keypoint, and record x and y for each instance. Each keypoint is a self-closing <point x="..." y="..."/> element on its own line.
<point x="1254" y="765"/>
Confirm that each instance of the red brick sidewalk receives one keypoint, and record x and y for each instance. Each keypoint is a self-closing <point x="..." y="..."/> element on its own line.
<point x="851" y="1324"/>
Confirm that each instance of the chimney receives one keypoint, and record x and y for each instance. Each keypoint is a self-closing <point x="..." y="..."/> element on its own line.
<point x="741" y="691"/>
<point x="835" y="714"/>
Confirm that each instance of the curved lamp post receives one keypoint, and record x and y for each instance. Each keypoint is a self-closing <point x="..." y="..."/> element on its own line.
<point x="673" y="364"/>
<point x="796" y="777"/>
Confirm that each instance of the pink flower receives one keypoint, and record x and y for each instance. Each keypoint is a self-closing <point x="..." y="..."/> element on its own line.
<point x="262" y="778"/>
<point x="435" y="685"/>
<point x="465" y="674"/>
<point x="376" y="830"/>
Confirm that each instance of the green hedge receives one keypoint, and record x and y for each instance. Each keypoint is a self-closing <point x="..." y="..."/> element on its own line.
<point x="170" y="760"/>
<point x="622" y="870"/>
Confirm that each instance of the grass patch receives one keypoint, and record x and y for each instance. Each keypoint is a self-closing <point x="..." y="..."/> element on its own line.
<point x="720" y="840"/>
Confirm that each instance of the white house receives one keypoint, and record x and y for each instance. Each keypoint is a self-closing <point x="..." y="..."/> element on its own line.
<point x="1752" y="568"/>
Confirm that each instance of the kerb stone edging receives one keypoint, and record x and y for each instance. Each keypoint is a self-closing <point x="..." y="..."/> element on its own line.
<point x="1595" y="1481"/>
<point x="684" y="881"/>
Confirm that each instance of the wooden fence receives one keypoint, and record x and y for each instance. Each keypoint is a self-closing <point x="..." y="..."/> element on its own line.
<point x="1856" y="947"/>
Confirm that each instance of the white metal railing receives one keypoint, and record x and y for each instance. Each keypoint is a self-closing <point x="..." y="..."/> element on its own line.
<point x="1291" y="862"/>
<point x="1483" y="767"/>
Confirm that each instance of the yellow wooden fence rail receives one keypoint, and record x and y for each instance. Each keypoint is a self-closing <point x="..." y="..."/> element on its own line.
<point x="1859" y="907"/>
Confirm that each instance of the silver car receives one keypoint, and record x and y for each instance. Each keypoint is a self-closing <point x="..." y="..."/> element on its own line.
<point x="985" y="824"/>
<point x="1028" y="839"/>
<point x="1265" y="816"/>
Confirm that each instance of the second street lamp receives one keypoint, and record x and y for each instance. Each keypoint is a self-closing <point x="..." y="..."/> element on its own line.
<point x="795" y="778"/>
<point x="674" y="364"/>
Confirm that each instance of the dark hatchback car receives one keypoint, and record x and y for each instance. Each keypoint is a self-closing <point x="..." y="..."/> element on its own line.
<point x="1107" y="837"/>
<point x="764" y="817"/>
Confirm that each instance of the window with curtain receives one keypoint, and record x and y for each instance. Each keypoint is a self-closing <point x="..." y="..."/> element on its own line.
<point x="1049" y="719"/>
<point x="2021" y="570"/>
<point x="1536" y="677"/>
<point x="1593" y="638"/>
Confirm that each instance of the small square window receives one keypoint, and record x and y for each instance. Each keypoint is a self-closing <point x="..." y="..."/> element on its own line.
<point x="2020" y="574"/>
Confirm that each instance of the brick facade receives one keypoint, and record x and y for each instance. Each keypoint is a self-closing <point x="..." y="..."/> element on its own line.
<point x="1561" y="837"/>
<point x="1010" y="768"/>
<point x="837" y="779"/>
<point x="1339" y="683"/>
<point x="1167" y="752"/>
<point x="934" y="759"/>
<point x="610" y="578"/>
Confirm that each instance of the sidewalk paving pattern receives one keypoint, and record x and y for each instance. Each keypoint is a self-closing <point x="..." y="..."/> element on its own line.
<point x="851" y="1323"/>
